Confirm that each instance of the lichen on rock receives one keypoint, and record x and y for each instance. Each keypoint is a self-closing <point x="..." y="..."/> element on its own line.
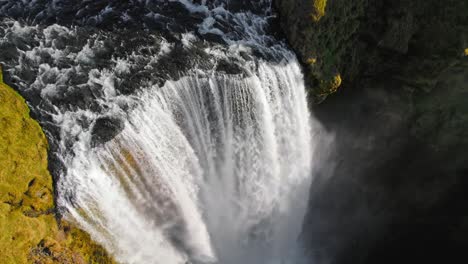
<point x="29" y="229"/>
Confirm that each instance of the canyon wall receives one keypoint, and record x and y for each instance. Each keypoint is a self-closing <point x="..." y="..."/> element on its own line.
<point x="392" y="188"/>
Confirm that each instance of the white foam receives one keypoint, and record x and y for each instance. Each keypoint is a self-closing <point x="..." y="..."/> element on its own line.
<point x="86" y="55"/>
<point x="187" y="39"/>
<point x="208" y="27"/>
<point x="122" y="66"/>
<point x="165" y="48"/>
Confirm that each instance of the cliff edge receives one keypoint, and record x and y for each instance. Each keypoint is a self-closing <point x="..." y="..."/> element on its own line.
<point x="30" y="232"/>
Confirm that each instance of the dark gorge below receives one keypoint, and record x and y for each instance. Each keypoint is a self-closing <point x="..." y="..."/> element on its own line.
<point x="186" y="122"/>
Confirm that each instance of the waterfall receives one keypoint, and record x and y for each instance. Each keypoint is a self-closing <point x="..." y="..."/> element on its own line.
<point x="211" y="162"/>
<point x="209" y="169"/>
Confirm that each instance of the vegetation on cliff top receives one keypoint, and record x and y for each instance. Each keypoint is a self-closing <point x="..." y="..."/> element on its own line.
<point x="29" y="230"/>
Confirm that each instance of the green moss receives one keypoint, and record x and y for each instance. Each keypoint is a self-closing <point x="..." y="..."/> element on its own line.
<point x="28" y="226"/>
<point x="330" y="41"/>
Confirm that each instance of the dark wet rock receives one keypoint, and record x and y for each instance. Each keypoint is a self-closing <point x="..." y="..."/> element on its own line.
<point x="228" y="67"/>
<point x="8" y="51"/>
<point x="105" y="129"/>
<point x="182" y="59"/>
<point x="213" y="38"/>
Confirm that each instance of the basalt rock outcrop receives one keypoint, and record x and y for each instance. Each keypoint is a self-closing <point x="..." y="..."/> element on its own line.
<point x="392" y="188"/>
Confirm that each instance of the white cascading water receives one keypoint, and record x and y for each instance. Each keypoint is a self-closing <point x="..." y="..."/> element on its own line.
<point x="209" y="169"/>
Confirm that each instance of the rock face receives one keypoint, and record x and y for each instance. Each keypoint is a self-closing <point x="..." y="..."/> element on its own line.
<point x="29" y="229"/>
<point x="393" y="185"/>
<point x="355" y="39"/>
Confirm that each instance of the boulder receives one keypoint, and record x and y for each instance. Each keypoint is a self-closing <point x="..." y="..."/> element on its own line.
<point x="105" y="129"/>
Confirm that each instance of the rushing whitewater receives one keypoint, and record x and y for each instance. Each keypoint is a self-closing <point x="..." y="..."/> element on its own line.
<point x="209" y="169"/>
<point x="211" y="159"/>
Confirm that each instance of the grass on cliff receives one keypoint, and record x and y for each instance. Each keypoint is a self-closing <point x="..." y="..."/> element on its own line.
<point x="28" y="227"/>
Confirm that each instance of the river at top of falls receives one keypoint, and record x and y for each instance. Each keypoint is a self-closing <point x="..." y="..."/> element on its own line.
<point x="185" y="140"/>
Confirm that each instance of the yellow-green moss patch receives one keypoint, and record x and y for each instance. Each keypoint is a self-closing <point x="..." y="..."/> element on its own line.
<point x="318" y="9"/>
<point x="330" y="85"/>
<point x="28" y="227"/>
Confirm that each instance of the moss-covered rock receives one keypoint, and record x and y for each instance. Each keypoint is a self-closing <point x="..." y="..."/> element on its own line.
<point x="29" y="229"/>
<point x="360" y="38"/>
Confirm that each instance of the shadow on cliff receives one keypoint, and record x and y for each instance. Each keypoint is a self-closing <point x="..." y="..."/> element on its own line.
<point x="391" y="188"/>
